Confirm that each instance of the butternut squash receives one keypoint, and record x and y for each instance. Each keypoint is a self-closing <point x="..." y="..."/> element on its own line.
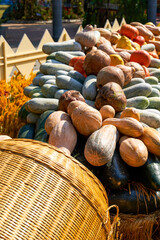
<point x="128" y="126"/>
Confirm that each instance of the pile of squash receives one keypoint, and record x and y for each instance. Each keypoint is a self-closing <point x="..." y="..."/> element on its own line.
<point x="97" y="98"/>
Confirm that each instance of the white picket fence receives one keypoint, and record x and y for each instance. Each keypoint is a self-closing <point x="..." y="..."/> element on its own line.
<point x="26" y="55"/>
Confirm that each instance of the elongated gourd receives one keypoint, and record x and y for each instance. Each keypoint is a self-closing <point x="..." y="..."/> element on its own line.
<point x="151" y="138"/>
<point x="140" y="102"/>
<point x="128" y="126"/>
<point x="40" y="105"/>
<point x="49" y="90"/>
<point x="100" y="146"/>
<point x="51" y="68"/>
<point x="67" y="82"/>
<point x="89" y="89"/>
<point x="140" y="89"/>
<point x="151" y="118"/>
<point x="69" y="45"/>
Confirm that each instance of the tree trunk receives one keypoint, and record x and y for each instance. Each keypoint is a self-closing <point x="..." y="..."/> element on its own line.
<point x="151" y="11"/>
<point x="57" y="19"/>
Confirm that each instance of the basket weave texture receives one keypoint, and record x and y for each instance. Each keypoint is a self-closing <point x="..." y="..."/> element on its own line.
<point x="45" y="194"/>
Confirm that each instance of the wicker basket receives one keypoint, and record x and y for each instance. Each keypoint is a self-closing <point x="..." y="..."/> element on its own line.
<point x="45" y="194"/>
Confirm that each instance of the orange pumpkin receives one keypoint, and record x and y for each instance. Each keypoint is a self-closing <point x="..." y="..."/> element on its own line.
<point x="141" y="56"/>
<point x="139" y="39"/>
<point x="130" y="112"/>
<point x="129" y="31"/>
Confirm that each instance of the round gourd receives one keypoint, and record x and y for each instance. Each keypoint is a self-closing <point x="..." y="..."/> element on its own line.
<point x="107" y="111"/>
<point x="63" y="136"/>
<point x="55" y="118"/>
<point x="110" y="74"/>
<point x="72" y="105"/>
<point x="133" y="151"/>
<point x="95" y="60"/>
<point x="86" y="119"/>
<point x="111" y="94"/>
<point x="68" y="97"/>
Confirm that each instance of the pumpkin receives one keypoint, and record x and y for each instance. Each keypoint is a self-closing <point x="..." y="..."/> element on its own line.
<point x="107" y="48"/>
<point x="106" y="33"/>
<point x="111" y="94"/>
<point x="86" y="119"/>
<point x="151" y="138"/>
<point x="110" y="74"/>
<point x="130" y="112"/>
<point x="87" y="38"/>
<point x="55" y="118"/>
<point x="63" y="136"/>
<point x="125" y="55"/>
<point x="133" y="151"/>
<point x="129" y="31"/>
<point x="107" y="111"/>
<point x="95" y="61"/>
<point x="124" y="43"/>
<point x="100" y="146"/>
<point x="138" y="69"/>
<point x="72" y="105"/>
<point x="68" y="97"/>
<point x="103" y="40"/>
<point x="147" y="34"/>
<point x="156" y="43"/>
<point x="139" y="39"/>
<point x="127" y="126"/>
<point x="128" y="73"/>
<point x="116" y="59"/>
<point x="141" y="56"/>
<point x="115" y="37"/>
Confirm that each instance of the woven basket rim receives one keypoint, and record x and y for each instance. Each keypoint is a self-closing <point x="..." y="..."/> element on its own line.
<point x="8" y="143"/>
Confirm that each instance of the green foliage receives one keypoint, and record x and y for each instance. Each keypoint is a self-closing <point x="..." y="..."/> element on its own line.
<point x="133" y="11"/>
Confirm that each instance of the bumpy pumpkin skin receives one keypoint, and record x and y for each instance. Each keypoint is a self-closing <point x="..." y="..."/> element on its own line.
<point x="63" y="136"/>
<point x="86" y="119"/>
<point x="111" y="94"/>
<point x="55" y="118"/>
<point x="94" y="61"/>
<point x="151" y="138"/>
<point x="110" y="74"/>
<point x="100" y="146"/>
<point x="68" y="97"/>
<point x="133" y="151"/>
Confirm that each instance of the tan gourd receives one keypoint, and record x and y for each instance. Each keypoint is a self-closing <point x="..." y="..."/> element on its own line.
<point x="133" y="151"/>
<point x="54" y="118"/>
<point x="151" y="138"/>
<point x="130" y="112"/>
<point x="127" y="126"/>
<point x="86" y="119"/>
<point x="63" y="136"/>
<point x="107" y="111"/>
